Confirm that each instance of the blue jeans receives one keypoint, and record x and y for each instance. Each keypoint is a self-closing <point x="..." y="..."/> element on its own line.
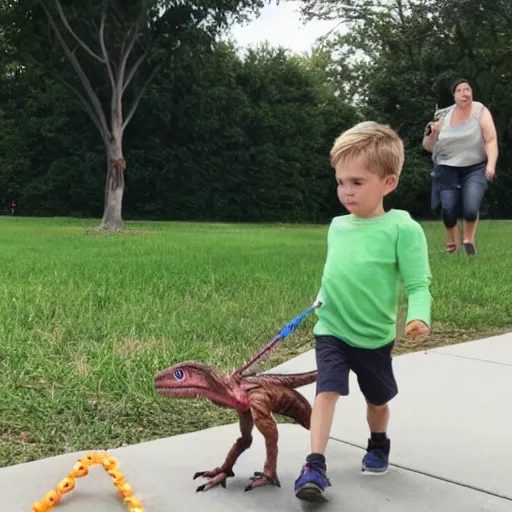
<point x="459" y="190"/>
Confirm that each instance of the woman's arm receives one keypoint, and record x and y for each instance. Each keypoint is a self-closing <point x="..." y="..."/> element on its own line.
<point x="429" y="141"/>
<point x="491" y="142"/>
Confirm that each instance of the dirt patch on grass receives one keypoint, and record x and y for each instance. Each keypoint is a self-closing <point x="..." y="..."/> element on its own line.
<point x="82" y="366"/>
<point x="124" y="232"/>
<point x="131" y="346"/>
<point x="16" y="437"/>
<point x="51" y="337"/>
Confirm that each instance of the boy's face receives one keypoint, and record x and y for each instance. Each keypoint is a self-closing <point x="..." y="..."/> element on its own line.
<point x="360" y="191"/>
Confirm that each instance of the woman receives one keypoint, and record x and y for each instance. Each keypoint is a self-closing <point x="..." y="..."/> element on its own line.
<point x="465" y="150"/>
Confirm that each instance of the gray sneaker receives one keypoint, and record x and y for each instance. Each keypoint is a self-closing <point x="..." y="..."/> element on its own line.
<point x="470" y="249"/>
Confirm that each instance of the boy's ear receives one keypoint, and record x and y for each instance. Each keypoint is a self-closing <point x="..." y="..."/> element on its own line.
<point x="391" y="182"/>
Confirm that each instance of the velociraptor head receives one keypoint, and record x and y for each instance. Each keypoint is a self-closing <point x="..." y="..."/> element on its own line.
<point x="190" y="379"/>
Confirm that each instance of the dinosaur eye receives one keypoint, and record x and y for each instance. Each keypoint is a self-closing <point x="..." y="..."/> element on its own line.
<point x="179" y="374"/>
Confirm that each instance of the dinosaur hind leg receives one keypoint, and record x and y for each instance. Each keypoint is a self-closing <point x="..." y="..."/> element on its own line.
<point x="219" y="475"/>
<point x="267" y="425"/>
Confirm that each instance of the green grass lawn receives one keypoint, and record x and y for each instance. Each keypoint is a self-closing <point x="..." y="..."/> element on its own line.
<point x="87" y="320"/>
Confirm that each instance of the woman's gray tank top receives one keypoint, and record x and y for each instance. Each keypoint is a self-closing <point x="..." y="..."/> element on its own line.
<point x="460" y="146"/>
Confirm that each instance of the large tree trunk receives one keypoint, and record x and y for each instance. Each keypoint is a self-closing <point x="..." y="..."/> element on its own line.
<point x="114" y="187"/>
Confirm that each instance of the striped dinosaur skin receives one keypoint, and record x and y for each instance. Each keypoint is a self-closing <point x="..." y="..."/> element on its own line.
<point x="255" y="397"/>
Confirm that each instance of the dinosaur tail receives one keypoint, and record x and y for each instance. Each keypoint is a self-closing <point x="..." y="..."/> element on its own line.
<point x="290" y="380"/>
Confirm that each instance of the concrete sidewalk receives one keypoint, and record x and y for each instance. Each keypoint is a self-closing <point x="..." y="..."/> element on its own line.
<point x="451" y="450"/>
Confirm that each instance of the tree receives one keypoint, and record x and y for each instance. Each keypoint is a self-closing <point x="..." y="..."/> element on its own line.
<point x="114" y="49"/>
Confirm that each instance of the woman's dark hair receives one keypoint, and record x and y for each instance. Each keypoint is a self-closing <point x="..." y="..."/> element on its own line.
<point x="459" y="81"/>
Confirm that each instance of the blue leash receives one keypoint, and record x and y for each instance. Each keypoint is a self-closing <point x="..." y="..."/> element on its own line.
<point x="285" y="331"/>
<point x="293" y="324"/>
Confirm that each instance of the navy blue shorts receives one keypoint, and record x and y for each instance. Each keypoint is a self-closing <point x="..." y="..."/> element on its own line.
<point x="373" y="367"/>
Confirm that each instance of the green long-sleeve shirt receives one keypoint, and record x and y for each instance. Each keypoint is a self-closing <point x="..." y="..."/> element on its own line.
<point x="366" y="260"/>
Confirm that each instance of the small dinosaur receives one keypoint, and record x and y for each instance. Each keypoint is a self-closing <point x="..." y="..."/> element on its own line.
<point x="253" y="396"/>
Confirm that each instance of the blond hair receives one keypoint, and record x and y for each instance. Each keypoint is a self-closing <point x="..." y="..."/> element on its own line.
<point x="380" y="147"/>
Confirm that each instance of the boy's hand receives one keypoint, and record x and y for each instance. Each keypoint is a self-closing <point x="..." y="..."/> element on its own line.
<point x="417" y="329"/>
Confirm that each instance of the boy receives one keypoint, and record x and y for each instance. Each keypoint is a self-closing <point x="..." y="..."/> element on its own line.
<point x="369" y="251"/>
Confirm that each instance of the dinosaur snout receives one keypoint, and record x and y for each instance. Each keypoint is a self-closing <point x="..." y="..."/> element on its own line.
<point x="165" y="378"/>
<point x="160" y="375"/>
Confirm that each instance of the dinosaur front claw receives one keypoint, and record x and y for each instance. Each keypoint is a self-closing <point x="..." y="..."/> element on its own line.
<point x="260" y="479"/>
<point x="215" y="477"/>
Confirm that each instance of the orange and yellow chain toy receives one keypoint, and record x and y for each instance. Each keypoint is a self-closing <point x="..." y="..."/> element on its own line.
<point x="80" y="469"/>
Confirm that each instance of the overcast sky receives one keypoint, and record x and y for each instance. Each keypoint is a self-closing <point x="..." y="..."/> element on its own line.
<point x="281" y="26"/>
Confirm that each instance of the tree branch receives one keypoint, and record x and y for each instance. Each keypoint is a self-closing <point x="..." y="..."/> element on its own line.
<point x="140" y="60"/>
<point x="132" y="72"/>
<point x="94" y="100"/>
<point x="106" y="57"/>
<point x="126" y="55"/>
<point x="87" y="107"/>
<point x="115" y="101"/>
<point x="71" y="31"/>
<point x="139" y="95"/>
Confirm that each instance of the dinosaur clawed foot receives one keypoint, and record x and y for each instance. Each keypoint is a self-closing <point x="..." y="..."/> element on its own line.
<point x="260" y="479"/>
<point x="215" y="477"/>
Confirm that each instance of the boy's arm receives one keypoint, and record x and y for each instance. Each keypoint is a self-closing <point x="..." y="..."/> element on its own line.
<point x="414" y="267"/>
<point x="319" y="296"/>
